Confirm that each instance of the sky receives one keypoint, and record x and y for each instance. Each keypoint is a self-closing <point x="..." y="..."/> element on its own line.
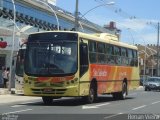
<point x="138" y="19"/>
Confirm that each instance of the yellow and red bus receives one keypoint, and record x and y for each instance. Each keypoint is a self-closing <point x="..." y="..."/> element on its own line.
<point x="74" y="64"/>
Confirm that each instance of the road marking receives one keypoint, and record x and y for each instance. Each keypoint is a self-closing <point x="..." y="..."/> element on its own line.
<point x="133" y="94"/>
<point x="155" y="102"/>
<point x="139" y="107"/>
<point x="15" y="106"/>
<point x="28" y="103"/>
<point x="94" y="106"/>
<point x="113" y="115"/>
<point x="17" y="111"/>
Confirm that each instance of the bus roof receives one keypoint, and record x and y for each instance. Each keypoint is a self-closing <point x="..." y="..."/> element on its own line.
<point x="112" y="39"/>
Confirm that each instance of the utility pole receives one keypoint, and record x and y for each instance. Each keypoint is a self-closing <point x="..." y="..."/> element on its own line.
<point x="158" y="49"/>
<point x="76" y="16"/>
<point x="12" y="50"/>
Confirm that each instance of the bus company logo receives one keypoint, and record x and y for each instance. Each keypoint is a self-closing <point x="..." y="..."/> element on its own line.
<point x="99" y="72"/>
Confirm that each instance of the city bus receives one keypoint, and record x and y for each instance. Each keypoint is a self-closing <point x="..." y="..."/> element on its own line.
<point x="74" y="64"/>
<point x="19" y="71"/>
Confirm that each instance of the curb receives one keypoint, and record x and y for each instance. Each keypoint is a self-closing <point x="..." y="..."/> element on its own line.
<point x="5" y="91"/>
<point x="140" y="88"/>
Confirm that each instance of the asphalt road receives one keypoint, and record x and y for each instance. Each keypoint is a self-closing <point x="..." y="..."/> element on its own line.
<point x="138" y="105"/>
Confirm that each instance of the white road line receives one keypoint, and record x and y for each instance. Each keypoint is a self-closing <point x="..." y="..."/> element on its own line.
<point x="17" y="111"/>
<point x="27" y="102"/>
<point x="113" y="115"/>
<point x="15" y="106"/>
<point x="155" y="102"/>
<point x="94" y="106"/>
<point x="133" y="94"/>
<point x="102" y="104"/>
<point x="139" y="107"/>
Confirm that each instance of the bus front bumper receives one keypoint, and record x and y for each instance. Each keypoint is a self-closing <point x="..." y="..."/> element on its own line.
<point x="60" y="92"/>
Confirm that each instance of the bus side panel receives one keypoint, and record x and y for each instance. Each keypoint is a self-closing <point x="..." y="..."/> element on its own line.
<point x="101" y="74"/>
<point x="84" y="84"/>
<point x="135" y="79"/>
<point x="110" y="78"/>
<point x="122" y="73"/>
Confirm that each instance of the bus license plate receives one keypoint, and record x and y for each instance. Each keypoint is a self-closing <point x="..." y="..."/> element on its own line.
<point x="47" y="90"/>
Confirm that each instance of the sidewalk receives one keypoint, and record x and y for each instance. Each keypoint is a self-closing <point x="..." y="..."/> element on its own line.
<point x="4" y="91"/>
<point x="140" y="88"/>
<point x="10" y="98"/>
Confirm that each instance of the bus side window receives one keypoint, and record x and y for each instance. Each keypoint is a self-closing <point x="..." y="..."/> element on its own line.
<point x="130" y="57"/>
<point x="124" y="56"/>
<point x="117" y="54"/>
<point x="83" y="58"/>
<point x="109" y="52"/>
<point x="101" y="53"/>
<point x="92" y="52"/>
<point x="135" y="58"/>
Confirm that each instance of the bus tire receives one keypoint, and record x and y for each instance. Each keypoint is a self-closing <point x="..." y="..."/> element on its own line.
<point x="121" y="95"/>
<point x="115" y="96"/>
<point x="145" y="89"/>
<point x="92" y="97"/>
<point x="47" y="100"/>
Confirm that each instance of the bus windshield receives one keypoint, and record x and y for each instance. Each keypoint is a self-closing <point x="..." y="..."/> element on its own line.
<point x="51" y="57"/>
<point x="20" y="62"/>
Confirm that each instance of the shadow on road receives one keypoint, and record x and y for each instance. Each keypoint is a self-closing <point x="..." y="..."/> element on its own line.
<point x="74" y="101"/>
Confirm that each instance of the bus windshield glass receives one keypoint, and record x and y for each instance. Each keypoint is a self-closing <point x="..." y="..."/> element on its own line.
<point x="20" y="62"/>
<point x="55" y="54"/>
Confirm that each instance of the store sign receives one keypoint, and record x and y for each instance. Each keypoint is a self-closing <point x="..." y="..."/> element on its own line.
<point x="3" y="44"/>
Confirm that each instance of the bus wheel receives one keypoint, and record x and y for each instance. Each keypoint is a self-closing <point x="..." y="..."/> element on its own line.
<point x="92" y="94"/>
<point x="145" y="89"/>
<point x="47" y="100"/>
<point x="123" y="93"/>
<point x="115" y="95"/>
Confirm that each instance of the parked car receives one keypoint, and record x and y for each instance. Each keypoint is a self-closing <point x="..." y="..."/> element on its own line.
<point x="152" y="83"/>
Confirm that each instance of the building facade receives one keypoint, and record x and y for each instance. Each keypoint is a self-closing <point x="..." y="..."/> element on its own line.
<point x="33" y="16"/>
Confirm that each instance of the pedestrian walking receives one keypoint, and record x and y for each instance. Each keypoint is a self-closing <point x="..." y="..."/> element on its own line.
<point x="6" y="77"/>
<point x="2" y="76"/>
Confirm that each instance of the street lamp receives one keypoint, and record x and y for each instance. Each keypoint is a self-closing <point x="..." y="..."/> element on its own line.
<point x="157" y="27"/>
<point x="76" y="16"/>
<point x="158" y="50"/>
<point x="52" y="11"/>
<point x="104" y="4"/>
<point x="77" y="12"/>
<point x="152" y="51"/>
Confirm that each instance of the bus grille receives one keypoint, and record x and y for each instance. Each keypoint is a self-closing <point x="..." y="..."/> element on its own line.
<point x="50" y="91"/>
<point x="41" y="84"/>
